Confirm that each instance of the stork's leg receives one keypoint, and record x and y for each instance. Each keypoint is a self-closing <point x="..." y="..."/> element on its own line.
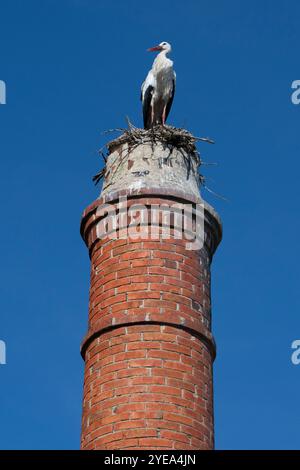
<point x="152" y="115"/>
<point x="164" y="116"/>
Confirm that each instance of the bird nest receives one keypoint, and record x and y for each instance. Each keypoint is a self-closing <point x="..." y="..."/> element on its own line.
<point x="168" y="137"/>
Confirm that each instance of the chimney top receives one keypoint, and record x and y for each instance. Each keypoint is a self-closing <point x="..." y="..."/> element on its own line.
<point x="162" y="158"/>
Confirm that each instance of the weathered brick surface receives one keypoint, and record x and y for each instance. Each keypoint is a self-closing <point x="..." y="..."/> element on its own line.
<point x="149" y="350"/>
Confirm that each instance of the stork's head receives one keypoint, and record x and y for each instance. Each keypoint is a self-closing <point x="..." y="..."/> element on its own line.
<point x="163" y="46"/>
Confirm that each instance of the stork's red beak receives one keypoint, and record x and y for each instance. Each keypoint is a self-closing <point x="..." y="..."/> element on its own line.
<point x="155" y="48"/>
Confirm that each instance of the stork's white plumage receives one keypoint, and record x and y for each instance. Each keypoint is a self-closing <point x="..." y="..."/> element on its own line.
<point x="159" y="88"/>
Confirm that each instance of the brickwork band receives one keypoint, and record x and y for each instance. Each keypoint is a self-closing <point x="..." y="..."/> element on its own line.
<point x="149" y="350"/>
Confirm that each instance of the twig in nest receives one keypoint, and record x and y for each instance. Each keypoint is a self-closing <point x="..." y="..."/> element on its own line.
<point x="209" y="163"/>
<point x="99" y="176"/>
<point x="202" y="181"/>
<point x="205" y="139"/>
<point x="215" y="194"/>
<point x="167" y="136"/>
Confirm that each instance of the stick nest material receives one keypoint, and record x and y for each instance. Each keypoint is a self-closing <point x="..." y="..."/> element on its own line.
<point x="168" y="136"/>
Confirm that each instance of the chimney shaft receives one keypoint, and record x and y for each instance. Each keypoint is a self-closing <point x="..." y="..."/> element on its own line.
<point x="149" y="350"/>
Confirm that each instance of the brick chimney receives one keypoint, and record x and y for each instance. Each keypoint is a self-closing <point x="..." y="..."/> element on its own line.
<point x="149" y="349"/>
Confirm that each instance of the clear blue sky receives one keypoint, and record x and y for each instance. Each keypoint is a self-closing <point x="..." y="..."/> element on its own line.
<point x="73" y="68"/>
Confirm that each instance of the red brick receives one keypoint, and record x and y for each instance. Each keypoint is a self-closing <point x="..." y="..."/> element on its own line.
<point x="127" y="443"/>
<point x="141" y="433"/>
<point x="109" y="438"/>
<point x="147" y="441"/>
<point x="163" y="407"/>
<point x="168" y="373"/>
<point x="159" y="337"/>
<point x="115" y="283"/>
<point x="131" y="390"/>
<point x="176" y="298"/>
<point x="115" y="418"/>
<point x="114" y="299"/>
<point x="143" y="295"/>
<point x="148" y="380"/>
<point x="165" y="389"/>
<point x="125" y="356"/>
<point x="124" y="306"/>
<point x="146" y="262"/>
<point x="134" y="255"/>
<point x="132" y="287"/>
<point x="143" y="345"/>
<point x="178" y="418"/>
<point x="177" y="366"/>
<point x="145" y="363"/>
<point x="134" y="372"/>
<point x="164" y="271"/>
<point x="129" y="272"/>
<point x="175" y="436"/>
<point x="138" y="328"/>
<point x="101" y="431"/>
<point x="149" y="278"/>
<point x="195" y="432"/>
<point x="131" y="407"/>
<point x="164" y="355"/>
<point x="136" y="423"/>
<point x="126" y="248"/>
<point x="165" y="288"/>
<point x="151" y="416"/>
<point x="114" y="384"/>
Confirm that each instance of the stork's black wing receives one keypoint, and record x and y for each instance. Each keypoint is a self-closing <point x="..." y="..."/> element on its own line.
<point x="147" y="91"/>
<point x="169" y="104"/>
<point x="146" y="98"/>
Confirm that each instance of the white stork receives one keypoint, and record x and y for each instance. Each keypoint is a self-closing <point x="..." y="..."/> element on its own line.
<point x="159" y="87"/>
